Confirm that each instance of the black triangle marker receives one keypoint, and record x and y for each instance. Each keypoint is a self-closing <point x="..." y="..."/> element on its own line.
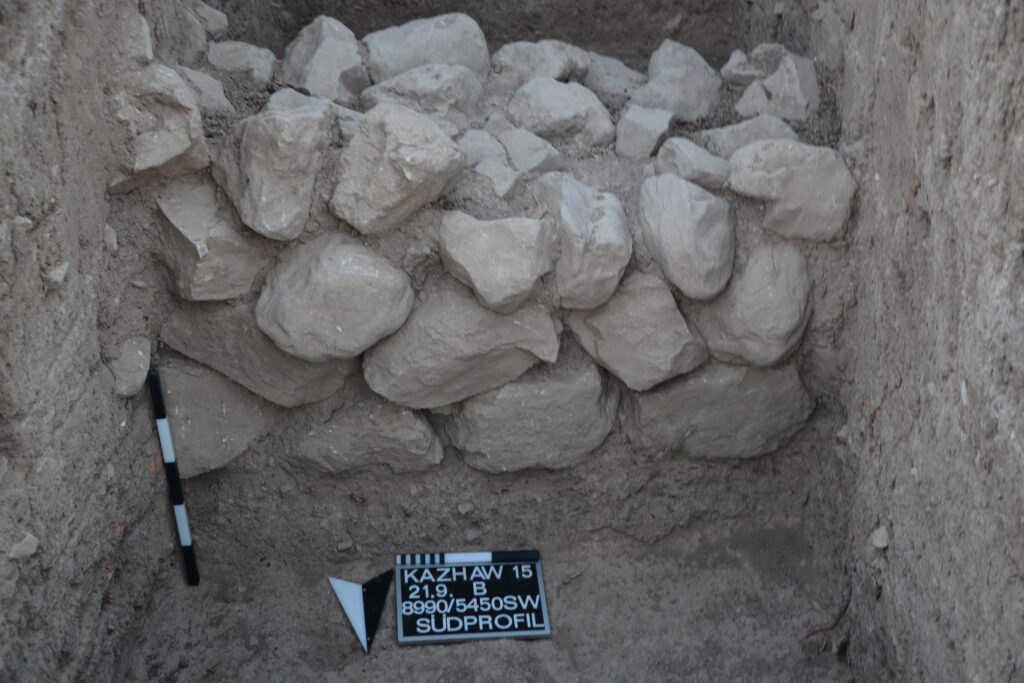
<point x="364" y="604"/>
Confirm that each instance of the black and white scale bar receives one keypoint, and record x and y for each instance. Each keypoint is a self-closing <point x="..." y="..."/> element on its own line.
<point x="177" y="494"/>
<point x="429" y="559"/>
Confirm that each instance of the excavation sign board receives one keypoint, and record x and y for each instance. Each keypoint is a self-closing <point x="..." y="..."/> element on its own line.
<point x="444" y="597"/>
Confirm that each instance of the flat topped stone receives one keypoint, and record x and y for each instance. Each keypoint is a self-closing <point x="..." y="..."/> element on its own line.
<point x="641" y="131"/>
<point x="518" y="62"/>
<point x="611" y="80"/>
<point x="444" y="39"/>
<point x="445" y="91"/>
<point x="762" y="316"/>
<point x="398" y="162"/>
<point x="202" y="243"/>
<point x="452" y="348"/>
<point x="553" y="109"/>
<point x="721" y="412"/>
<point x="226" y="338"/>
<point x="763" y="60"/>
<point x="332" y="298"/>
<point x="551" y="417"/>
<point x="726" y="140"/>
<point x="234" y="56"/>
<point x="639" y="335"/>
<point x="502" y="260"/>
<point x="809" y="189"/>
<point x="692" y="163"/>
<point x="690" y="233"/>
<point x="369" y="431"/>
<point x="791" y="92"/>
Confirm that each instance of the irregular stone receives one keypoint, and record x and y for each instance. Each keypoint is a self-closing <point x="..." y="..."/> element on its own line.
<point x="553" y="109"/>
<point x="790" y="93"/>
<point x="449" y="92"/>
<point x="690" y="232"/>
<point x="130" y="366"/>
<point x="722" y="411"/>
<point x="212" y="419"/>
<point x="138" y="39"/>
<point x="331" y="298"/>
<point x="762" y="316"/>
<point x="324" y="59"/>
<point x="639" y="335"/>
<point x="809" y="189"/>
<point x="110" y="238"/>
<point x="552" y="416"/>
<point x="530" y="153"/>
<point x="53" y="278"/>
<point x="452" y="348"/>
<point x="505" y="181"/>
<point x="880" y="538"/>
<point x="369" y="431"/>
<point x="444" y="39"/>
<point x="595" y="242"/>
<point x="516" y="63"/>
<point x="398" y="162"/>
<point x="345" y="121"/>
<point x="612" y="81"/>
<point x="24" y="548"/>
<point x="690" y="92"/>
<point x="672" y="55"/>
<point x="268" y="168"/>
<point x="202" y="244"/>
<point x="226" y="338"/>
<point x="478" y="145"/>
<point x="692" y="163"/>
<point x="762" y="62"/>
<point x="208" y="90"/>
<point x="190" y="38"/>
<point x="497" y="123"/>
<point x="165" y="128"/>
<point x="641" y="131"/>
<point x="502" y="260"/>
<point x="214" y="21"/>
<point x="726" y="140"/>
<point x="234" y="56"/>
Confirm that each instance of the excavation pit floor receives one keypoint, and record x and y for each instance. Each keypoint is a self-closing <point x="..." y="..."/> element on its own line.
<point x="740" y="608"/>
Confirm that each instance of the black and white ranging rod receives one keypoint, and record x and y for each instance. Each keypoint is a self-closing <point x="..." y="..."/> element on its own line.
<point x="177" y="494"/>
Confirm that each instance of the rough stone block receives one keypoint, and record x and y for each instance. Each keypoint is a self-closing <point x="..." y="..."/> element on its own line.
<point x="130" y="366"/>
<point x="516" y="63"/>
<point x="208" y="90"/>
<point x="692" y="163"/>
<point x="640" y="131"/>
<point x="325" y="60"/>
<point x="726" y="140"/>
<point x="612" y="81"/>
<point x="530" y="153"/>
<point x="237" y="57"/>
<point x="444" y="39"/>
<point x="762" y="62"/>
<point x="790" y="93"/>
<point x="552" y="109"/>
<point x="445" y="91"/>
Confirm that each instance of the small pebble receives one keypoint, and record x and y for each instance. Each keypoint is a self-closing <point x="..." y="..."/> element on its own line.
<point x="54" y="277"/>
<point x="465" y="508"/>
<point x="472" y="535"/>
<point x="880" y="538"/>
<point x="26" y="547"/>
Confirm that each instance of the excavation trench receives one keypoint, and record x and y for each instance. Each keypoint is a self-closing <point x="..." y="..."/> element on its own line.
<point x="704" y="510"/>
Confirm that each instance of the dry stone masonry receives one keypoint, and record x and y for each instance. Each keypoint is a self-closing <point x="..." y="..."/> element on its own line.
<point x="415" y="246"/>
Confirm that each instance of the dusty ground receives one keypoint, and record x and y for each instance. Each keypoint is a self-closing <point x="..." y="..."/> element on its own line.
<point x="929" y="379"/>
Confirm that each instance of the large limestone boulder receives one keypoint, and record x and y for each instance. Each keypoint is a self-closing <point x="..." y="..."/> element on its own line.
<point x="726" y="140"/>
<point x="268" y="168"/>
<point x="449" y="92"/>
<point x="516" y="63"/>
<point x="690" y="232"/>
<point x="501" y="260"/>
<point x="164" y="125"/>
<point x="213" y="20"/>
<point x="595" y="242"/>
<point x="639" y="335"/>
<point x="237" y="57"/>
<point x="722" y="411"/>
<point x="763" y="60"/>
<point x="202" y="243"/>
<point x="809" y="189"/>
<point x="529" y="153"/>
<point x="226" y="338"/>
<point x="332" y="298"/>
<point x="552" y="416"/>
<point x="398" y="162"/>
<point x="612" y="81"/>
<point x="553" y="109"/>
<point x="325" y="60"/>
<point x="345" y="122"/>
<point x="680" y="81"/>
<point x="368" y="431"/>
<point x="692" y="163"/>
<point x="452" y="348"/>
<point x="444" y="39"/>
<point x="790" y="93"/>
<point x="208" y="90"/>
<point x="213" y="420"/>
<point x="641" y="131"/>
<point x="762" y="316"/>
